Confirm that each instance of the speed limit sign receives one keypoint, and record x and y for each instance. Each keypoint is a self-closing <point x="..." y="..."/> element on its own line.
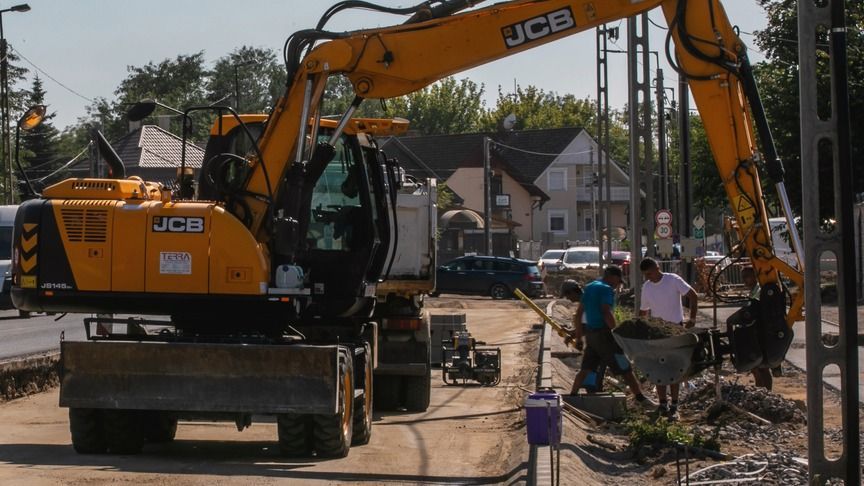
<point x="664" y="231"/>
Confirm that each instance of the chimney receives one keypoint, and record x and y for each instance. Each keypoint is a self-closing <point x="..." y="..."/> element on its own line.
<point x="164" y="122"/>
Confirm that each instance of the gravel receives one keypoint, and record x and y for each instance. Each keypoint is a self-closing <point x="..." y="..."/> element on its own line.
<point x="648" y="329"/>
<point x="756" y="400"/>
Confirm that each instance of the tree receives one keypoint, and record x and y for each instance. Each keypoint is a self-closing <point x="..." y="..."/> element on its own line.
<point x="178" y="83"/>
<point x="448" y="106"/>
<point x="708" y="191"/>
<point x="536" y="108"/>
<point x="778" y="81"/>
<point x="260" y="80"/>
<point x="39" y="145"/>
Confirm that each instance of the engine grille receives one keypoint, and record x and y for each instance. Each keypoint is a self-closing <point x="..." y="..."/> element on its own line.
<point x="88" y="225"/>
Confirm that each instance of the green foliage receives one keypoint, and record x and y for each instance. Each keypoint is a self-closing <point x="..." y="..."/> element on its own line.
<point x="445" y="197"/>
<point x="251" y="74"/>
<point x="778" y="82"/>
<point x="663" y="433"/>
<point x="622" y="313"/>
<point x="708" y="191"/>
<point x="535" y="108"/>
<point x="448" y="106"/>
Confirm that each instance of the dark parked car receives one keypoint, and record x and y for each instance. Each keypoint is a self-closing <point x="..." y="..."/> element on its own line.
<point x="485" y="275"/>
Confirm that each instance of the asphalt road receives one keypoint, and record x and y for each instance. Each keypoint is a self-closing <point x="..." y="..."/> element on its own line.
<point x="37" y="334"/>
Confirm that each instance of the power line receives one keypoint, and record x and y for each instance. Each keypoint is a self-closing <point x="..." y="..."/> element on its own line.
<point x="52" y="78"/>
<point x="550" y="154"/>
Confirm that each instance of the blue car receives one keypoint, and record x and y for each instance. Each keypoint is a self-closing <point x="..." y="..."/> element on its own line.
<point x="497" y="277"/>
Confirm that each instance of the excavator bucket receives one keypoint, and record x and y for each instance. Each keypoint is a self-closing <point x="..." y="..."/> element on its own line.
<point x="199" y="377"/>
<point x="663" y="361"/>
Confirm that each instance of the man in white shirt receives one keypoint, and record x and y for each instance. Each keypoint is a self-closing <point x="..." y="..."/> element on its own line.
<point x="661" y="298"/>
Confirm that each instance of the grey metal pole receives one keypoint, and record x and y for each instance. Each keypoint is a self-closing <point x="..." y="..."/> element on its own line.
<point x="603" y="162"/>
<point x="661" y="142"/>
<point x="4" y="115"/>
<point x="638" y="137"/>
<point x="487" y="199"/>
<point x="686" y="197"/>
<point x="816" y="130"/>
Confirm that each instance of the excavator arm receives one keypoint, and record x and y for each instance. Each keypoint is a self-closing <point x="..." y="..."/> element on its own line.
<point x="393" y="61"/>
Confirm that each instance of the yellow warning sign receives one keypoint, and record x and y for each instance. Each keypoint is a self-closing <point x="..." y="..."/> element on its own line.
<point x="745" y="211"/>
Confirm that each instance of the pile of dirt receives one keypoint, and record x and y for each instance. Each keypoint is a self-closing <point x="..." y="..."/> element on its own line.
<point x="553" y="280"/>
<point x="755" y="400"/>
<point x="648" y="329"/>
<point x="28" y="376"/>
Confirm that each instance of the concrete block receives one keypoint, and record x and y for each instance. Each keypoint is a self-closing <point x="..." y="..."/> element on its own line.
<point x="610" y="406"/>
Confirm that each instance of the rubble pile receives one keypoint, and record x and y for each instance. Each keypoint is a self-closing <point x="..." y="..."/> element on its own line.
<point x="758" y="401"/>
<point x="648" y="329"/>
<point x="760" y="468"/>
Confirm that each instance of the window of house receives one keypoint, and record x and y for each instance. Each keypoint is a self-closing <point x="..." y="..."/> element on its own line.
<point x="557" y="179"/>
<point x="558" y="221"/>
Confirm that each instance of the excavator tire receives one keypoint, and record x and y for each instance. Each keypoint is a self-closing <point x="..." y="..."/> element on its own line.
<point x="160" y="427"/>
<point x="363" y="404"/>
<point x="387" y="390"/>
<point x="86" y="426"/>
<point x="417" y="391"/>
<point x="331" y="434"/>
<point x="294" y="434"/>
<point x="124" y="431"/>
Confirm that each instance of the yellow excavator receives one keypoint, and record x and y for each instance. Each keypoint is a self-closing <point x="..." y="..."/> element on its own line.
<point x="270" y="276"/>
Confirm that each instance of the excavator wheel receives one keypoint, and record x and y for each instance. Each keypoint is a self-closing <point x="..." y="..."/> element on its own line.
<point x="124" y="431"/>
<point x="363" y="404"/>
<point x="331" y="434"/>
<point x="417" y="391"/>
<point x="294" y="434"/>
<point x="86" y="425"/>
<point x="160" y="427"/>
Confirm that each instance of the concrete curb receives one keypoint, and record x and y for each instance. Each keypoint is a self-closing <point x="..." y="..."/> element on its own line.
<point x="539" y="471"/>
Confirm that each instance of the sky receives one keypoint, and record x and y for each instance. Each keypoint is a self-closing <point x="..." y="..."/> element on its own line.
<point x="81" y="49"/>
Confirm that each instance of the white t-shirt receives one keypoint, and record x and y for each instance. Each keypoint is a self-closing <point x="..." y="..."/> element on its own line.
<point x="663" y="298"/>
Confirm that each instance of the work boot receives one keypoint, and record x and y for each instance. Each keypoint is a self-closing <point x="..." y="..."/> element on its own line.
<point x="645" y="402"/>
<point x="672" y="413"/>
<point x="663" y="409"/>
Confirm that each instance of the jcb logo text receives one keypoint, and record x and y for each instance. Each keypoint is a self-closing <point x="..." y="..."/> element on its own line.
<point x="177" y="224"/>
<point x="538" y="27"/>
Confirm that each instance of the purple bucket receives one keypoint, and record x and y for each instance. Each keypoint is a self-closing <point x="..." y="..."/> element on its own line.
<point x="542" y="416"/>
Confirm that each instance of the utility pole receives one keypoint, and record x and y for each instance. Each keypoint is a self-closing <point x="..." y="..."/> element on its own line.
<point x="661" y="141"/>
<point x="603" y="162"/>
<point x="686" y="197"/>
<point x="640" y="137"/>
<point x="487" y="198"/>
<point x="815" y="131"/>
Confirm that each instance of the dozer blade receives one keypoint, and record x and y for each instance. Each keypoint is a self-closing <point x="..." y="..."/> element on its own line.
<point x="662" y="361"/>
<point x="199" y="377"/>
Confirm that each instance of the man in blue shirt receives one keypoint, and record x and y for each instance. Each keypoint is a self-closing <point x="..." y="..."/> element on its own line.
<point x="598" y="299"/>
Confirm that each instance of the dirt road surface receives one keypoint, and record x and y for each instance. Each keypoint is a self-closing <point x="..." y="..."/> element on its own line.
<point x="469" y="435"/>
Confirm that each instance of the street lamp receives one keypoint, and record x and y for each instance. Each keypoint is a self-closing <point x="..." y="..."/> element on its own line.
<point x="4" y="100"/>
<point x="31" y="119"/>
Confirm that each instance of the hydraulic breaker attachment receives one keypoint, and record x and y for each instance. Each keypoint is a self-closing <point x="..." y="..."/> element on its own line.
<point x="200" y="377"/>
